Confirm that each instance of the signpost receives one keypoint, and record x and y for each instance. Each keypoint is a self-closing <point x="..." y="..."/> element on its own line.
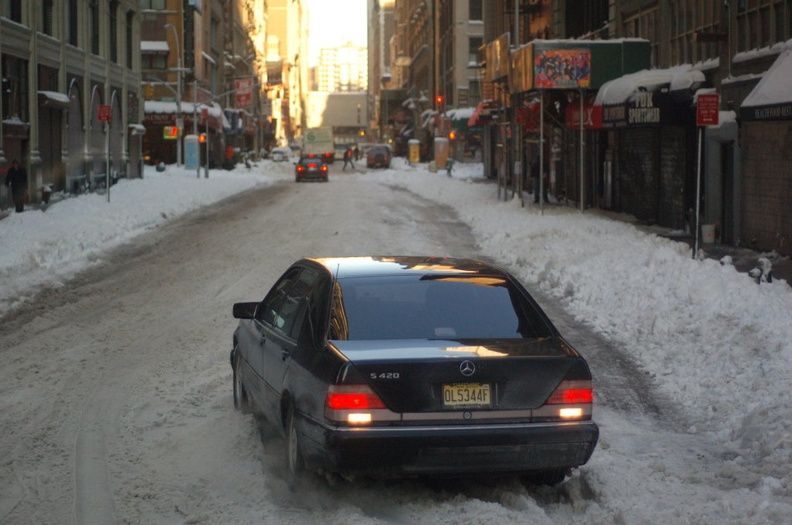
<point x="707" y="114"/>
<point x="104" y="116"/>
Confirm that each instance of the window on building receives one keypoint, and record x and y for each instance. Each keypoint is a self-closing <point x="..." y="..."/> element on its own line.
<point x="46" y="17"/>
<point x="476" y="12"/>
<point x="782" y="14"/>
<point x="151" y="61"/>
<point x="12" y="10"/>
<point x="644" y="25"/>
<point x="130" y="50"/>
<point x="73" y="24"/>
<point x="153" y="5"/>
<point x="214" y="31"/>
<point x="113" y="26"/>
<point x="93" y="25"/>
<point x="474" y="92"/>
<point x="14" y="88"/>
<point x="474" y="43"/>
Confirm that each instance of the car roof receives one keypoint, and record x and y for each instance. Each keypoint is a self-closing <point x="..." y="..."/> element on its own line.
<point x="370" y="266"/>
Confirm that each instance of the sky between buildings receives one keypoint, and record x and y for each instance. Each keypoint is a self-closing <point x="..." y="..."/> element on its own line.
<point x="333" y="23"/>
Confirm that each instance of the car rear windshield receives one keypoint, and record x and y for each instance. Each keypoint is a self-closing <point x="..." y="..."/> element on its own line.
<point x="433" y="307"/>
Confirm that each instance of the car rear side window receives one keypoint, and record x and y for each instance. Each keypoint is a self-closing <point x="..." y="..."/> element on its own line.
<point x="436" y="307"/>
<point x="284" y="307"/>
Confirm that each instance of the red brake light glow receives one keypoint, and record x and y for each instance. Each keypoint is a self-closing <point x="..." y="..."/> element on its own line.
<point x="352" y="397"/>
<point x="572" y="392"/>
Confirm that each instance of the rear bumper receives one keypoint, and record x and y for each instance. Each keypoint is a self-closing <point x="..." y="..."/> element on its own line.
<point x="457" y="450"/>
<point x="313" y="176"/>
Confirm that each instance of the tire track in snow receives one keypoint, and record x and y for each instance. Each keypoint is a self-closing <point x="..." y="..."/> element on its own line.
<point x="93" y="499"/>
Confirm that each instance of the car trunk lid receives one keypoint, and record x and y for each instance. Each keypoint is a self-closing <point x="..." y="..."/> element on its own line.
<point x="431" y="376"/>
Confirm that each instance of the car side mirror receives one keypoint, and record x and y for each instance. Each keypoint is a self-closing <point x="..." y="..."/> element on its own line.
<point x="244" y="310"/>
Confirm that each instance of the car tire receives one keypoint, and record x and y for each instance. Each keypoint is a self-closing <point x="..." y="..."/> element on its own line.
<point x="294" y="457"/>
<point x="241" y="399"/>
<point x="548" y="478"/>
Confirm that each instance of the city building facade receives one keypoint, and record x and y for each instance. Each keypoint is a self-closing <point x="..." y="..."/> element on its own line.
<point x="203" y="72"/>
<point x="70" y="104"/>
<point x="343" y="69"/>
<point x="631" y="143"/>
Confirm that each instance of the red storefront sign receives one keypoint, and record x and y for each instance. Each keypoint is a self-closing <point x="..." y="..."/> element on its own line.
<point x="244" y="92"/>
<point x="529" y="118"/>
<point x="592" y="115"/>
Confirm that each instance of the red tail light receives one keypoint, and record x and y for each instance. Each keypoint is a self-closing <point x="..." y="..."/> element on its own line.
<point x="572" y="392"/>
<point x="300" y="168"/>
<point x="324" y="168"/>
<point x="352" y="397"/>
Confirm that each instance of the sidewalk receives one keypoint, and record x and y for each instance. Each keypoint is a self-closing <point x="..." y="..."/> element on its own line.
<point x="743" y="259"/>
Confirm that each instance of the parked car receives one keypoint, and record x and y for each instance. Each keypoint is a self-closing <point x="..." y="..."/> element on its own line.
<point x="310" y="169"/>
<point x="280" y="154"/>
<point x="404" y="366"/>
<point x="379" y="157"/>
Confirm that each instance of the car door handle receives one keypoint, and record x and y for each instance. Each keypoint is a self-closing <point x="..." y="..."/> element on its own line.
<point x="262" y="340"/>
<point x="284" y="354"/>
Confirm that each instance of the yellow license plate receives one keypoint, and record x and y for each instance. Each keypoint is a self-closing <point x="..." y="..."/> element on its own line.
<point x="470" y="395"/>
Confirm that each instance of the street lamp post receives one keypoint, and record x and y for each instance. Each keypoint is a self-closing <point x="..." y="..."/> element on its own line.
<point x="179" y="119"/>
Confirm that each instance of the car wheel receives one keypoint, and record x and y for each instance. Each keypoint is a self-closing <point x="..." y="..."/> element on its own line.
<point x="241" y="400"/>
<point x="293" y="454"/>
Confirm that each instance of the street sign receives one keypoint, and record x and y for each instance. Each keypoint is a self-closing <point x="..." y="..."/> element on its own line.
<point x="707" y="109"/>
<point x="244" y="92"/>
<point x="104" y="113"/>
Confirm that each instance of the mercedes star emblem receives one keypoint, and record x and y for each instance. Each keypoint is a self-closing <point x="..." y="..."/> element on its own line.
<point x="467" y="368"/>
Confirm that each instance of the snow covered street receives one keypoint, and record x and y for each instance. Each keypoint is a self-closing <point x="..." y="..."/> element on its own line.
<point x="115" y="389"/>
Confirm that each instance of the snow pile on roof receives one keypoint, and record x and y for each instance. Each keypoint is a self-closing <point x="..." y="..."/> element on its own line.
<point x="460" y="113"/>
<point x="754" y="54"/>
<point x="619" y="90"/>
<point x="776" y="85"/>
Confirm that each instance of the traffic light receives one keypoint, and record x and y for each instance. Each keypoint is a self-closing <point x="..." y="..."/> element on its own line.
<point x="452" y="135"/>
<point x="439" y="99"/>
<point x="202" y="138"/>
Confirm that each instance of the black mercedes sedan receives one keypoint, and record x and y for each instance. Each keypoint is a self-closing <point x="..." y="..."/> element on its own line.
<point x="412" y="366"/>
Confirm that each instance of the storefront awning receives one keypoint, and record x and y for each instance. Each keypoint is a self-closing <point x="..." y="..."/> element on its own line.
<point x="154" y="47"/>
<point x="53" y="99"/>
<point x="771" y="98"/>
<point x="164" y="113"/>
<point x="621" y="90"/>
<point x="651" y="97"/>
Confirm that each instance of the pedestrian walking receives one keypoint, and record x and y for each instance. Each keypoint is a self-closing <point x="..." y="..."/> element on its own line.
<point x="348" y="159"/>
<point x="16" y="179"/>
